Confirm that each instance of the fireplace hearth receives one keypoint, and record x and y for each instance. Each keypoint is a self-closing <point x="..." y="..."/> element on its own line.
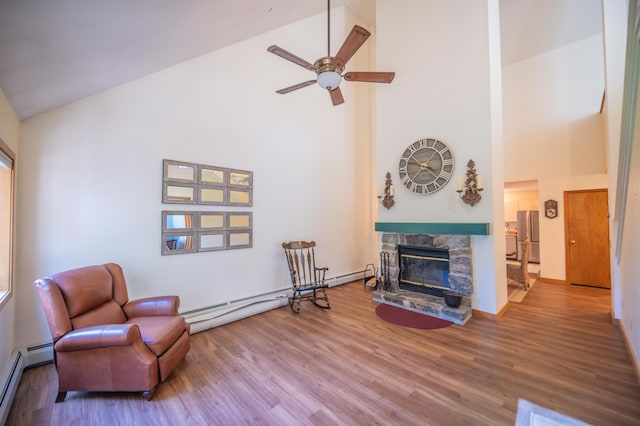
<point x="422" y="267"/>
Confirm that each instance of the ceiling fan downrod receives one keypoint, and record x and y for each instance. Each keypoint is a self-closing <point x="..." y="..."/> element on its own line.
<point x="328" y="27"/>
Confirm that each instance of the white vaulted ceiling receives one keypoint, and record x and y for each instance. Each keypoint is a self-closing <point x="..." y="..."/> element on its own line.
<point x="531" y="27"/>
<point x="53" y="52"/>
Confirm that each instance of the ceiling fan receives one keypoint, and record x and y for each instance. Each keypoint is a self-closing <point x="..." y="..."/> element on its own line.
<point x="329" y="68"/>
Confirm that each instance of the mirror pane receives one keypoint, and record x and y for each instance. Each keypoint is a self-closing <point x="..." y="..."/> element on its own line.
<point x="211" y="195"/>
<point x="239" y="220"/>
<point x="239" y="239"/>
<point x="239" y="197"/>
<point x="239" y="179"/>
<point x="209" y="221"/>
<point x="211" y="241"/>
<point x="212" y="176"/>
<point x="178" y="242"/>
<point x="179" y="221"/>
<point x="180" y="193"/>
<point x="182" y="172"/>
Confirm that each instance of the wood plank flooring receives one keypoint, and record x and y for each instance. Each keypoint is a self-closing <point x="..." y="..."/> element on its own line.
<point x="559" y="348"/>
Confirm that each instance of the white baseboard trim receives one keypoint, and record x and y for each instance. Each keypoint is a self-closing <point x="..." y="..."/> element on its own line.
<point x="632" y="353"/>
<point x="9" y="383"/>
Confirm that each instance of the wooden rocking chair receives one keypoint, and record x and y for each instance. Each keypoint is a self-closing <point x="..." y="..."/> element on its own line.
<point x="307" y="280"/>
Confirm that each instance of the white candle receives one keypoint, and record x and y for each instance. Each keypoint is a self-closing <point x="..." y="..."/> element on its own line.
<point x="479" y="182"/>
<point x="390" y="189"/>
<point x="459" y="184"/>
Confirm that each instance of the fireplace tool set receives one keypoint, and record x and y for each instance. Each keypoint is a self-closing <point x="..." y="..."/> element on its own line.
<point x="383" y="281"/>
<point x="370" y="273"/>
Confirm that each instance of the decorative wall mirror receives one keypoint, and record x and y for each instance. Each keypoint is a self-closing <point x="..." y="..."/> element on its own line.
<point x="212" y="195"/>
<point x="212" y="175"/>
<point x="179" y="171"/>
<point x="210" y="241"/>
<point x="240" y="197"/>
<point x="189" y="183"/>
<point x="196" y="231"/>
<point x="178" y="221"/>
<point x="241" y="178"/>
<point x="240" y="239"/>
<point x="177" y="243"/>
<point x="239" y="220"/>
<point x="211" y="220"/>
<point x="178" y="194"/>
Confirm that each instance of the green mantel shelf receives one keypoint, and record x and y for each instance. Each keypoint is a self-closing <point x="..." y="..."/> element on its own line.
<point x="434" y="228"/>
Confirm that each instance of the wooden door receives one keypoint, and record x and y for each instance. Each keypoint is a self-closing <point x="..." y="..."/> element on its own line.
<point x="587" y="238"/>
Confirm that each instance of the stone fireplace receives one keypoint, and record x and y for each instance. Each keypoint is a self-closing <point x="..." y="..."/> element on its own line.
<point x="436" y="263"/>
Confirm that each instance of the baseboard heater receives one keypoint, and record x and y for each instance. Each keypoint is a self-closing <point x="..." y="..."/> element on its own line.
<point x="344" y="278"/>
<point x="10" y="384"/>
<point x="234" y="310"/>
<point x="224" y="313"/>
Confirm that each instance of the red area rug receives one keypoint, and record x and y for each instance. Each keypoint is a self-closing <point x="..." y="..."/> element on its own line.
<point x="407" y="318"/>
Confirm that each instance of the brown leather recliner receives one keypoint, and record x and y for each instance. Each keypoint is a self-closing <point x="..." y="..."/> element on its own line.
<point x="104" y="342"/>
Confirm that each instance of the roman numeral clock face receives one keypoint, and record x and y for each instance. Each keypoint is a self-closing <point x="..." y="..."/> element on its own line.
<point x="426" y="166"/>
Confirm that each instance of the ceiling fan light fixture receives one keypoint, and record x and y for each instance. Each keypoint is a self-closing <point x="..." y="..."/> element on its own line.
<point x="329" y="80"/>
<point x="329" y="68"/>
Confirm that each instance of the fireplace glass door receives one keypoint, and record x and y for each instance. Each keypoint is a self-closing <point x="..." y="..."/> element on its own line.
<point x="424" y="270"/>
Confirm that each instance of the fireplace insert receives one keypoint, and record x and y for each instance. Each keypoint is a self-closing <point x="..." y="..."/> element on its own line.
<point x="424" y="269"/>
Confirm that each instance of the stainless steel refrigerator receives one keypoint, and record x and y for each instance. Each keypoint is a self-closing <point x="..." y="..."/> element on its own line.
<point x="529" y="227"/>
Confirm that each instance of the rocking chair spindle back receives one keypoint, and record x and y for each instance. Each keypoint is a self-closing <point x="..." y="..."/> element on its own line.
<point x="307" y="279"/>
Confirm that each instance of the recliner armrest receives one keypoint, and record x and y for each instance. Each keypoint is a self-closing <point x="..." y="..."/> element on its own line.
<point x="152" y="306"/>
<point x="102" y="336"/>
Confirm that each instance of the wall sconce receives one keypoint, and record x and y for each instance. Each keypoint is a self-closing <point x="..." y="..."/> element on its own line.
<point x="470" y="194"/>
<point x="386" y="198"/>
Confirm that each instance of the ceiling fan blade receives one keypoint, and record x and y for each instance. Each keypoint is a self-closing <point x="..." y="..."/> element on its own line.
<point x="371" y="77"/>
<point x="354" y="40"/>
<point x="336" y="96"/>
<point x="295" y="87"/>
<point x="290" y="57"/>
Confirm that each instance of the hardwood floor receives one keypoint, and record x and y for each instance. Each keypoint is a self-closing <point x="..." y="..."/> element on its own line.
<point x="558" y="349"/>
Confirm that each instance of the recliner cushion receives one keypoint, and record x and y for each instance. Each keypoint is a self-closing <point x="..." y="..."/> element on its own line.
<point x="85" y="291"/>
<point x="159" y="333"/>
<point x="107" y="313"/>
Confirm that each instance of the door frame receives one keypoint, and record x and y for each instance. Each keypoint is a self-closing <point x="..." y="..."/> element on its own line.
<point x="567" y="243"/>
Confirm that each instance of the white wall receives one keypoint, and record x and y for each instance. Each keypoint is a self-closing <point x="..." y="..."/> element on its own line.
<point x="554" y="133"/>
<point x="552" y="124"/>
<point x="552" y="238"/>
<point x="10" y="134"/>
<point x="630" y="252"/>
<point x="91" y="173"/>
<point x="625" y="268"/>
<point x="614" y="14"/>
<point x="442" y="90"/>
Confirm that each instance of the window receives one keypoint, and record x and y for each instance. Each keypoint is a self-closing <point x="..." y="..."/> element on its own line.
<point x="6" y="220"/>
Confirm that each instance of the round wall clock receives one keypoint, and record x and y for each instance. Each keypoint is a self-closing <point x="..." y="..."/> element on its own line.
<point x="426" y="166"/>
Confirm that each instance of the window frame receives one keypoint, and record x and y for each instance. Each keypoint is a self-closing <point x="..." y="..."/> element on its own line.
<point x="5" y="295"/>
